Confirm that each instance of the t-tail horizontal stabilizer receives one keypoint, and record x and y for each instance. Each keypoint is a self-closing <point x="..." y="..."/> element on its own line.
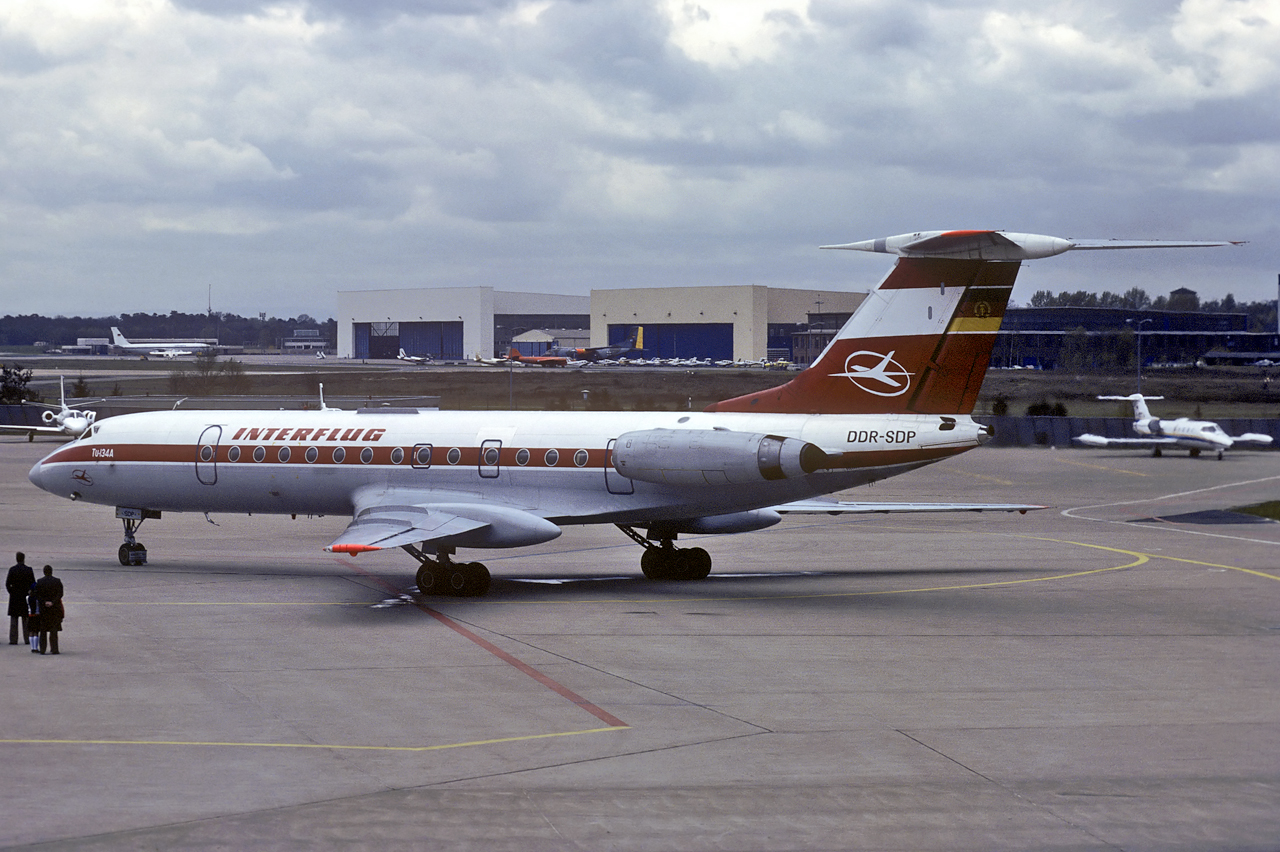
<point x="999" y="245"/>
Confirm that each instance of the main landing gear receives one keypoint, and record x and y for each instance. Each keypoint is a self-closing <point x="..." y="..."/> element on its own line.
<point x="443" y="576"/>
<point x="665" y="561"/>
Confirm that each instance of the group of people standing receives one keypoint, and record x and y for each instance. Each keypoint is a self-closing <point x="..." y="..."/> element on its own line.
<point x="35" y="606"/>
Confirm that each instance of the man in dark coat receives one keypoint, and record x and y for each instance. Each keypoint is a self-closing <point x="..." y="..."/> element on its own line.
<point x="17" y="584"/>
<point x="48" y="591"/>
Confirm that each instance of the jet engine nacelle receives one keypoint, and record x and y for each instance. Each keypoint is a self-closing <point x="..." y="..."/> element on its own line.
<point x="48" y="417"/>
<point x="1149" y="427"/>
<point x="712" y="457"/>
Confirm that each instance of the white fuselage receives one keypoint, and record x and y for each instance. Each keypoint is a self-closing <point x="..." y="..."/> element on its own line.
<point x="1192" y="434"/>
<point x="557" y="465"/>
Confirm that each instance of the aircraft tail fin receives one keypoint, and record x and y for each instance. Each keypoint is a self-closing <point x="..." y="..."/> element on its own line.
<point x="117" y="338"/>
<point x="919" y="344"/>
<point x="638" y="343"/>
<point x="1140" y="410"/>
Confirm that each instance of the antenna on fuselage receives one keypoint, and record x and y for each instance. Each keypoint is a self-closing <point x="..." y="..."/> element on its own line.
<point x="324" y="407"/>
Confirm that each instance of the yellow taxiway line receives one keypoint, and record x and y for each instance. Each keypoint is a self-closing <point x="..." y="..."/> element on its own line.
<point x="331" y="746"/>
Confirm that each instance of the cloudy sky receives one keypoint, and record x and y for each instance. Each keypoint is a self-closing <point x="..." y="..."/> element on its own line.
<point x="156" y="153"/>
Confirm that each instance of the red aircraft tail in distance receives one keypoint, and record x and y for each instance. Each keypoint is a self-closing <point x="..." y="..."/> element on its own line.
<point x="537" y="360"/>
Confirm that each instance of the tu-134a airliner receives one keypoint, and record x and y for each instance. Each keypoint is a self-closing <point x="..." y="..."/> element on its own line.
<point x="892" y="392"/>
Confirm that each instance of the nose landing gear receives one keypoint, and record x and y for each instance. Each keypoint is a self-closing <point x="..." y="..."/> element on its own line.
<point x="443" y="576"/>
<point x="132" y="552"/>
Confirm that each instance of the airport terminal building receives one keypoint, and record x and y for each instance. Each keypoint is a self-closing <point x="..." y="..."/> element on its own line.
<point x="749" y="322"/>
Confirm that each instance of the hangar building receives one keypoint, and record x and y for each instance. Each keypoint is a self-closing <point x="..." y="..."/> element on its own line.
<point x="748" y="322"/>
<point x="447" y="323"/>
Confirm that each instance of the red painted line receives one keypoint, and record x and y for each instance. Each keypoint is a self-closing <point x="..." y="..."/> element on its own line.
<point x="551" y="684"/>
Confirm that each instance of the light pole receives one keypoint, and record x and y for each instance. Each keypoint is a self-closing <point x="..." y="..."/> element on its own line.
<point x="1137" y="326"/>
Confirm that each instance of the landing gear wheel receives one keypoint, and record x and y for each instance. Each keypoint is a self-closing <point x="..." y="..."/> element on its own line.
<point x="665" y="561"/>
<point x="455" y="579"/>
<point x="132" y="553"/>
<point x="478" y="580"/>
<point x="651" y="563"/>
<point x="669" y="563"/>
<point x="699" y="563"/>
<point x="440" y="576"/>
<point x="427" y="581"/>
<point x="1219" y="455"/>
<point x="464" y="579"/>
<point x="1195" y="453"/>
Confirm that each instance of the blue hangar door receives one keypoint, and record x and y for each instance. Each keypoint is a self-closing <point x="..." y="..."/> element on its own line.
<point x="712" y="340"/>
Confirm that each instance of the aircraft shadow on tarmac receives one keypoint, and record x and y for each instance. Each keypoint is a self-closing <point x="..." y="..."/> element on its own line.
<point x="529" y="589"/>
<point x="1209" y="516"/>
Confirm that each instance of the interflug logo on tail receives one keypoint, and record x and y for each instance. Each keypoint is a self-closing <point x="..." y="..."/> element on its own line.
<point x="876" y="373"/>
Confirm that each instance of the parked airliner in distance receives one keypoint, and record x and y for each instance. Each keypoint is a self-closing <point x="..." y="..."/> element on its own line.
<point x="891" y="393"/>
<point x="593" y="354"/>
<point x="537" y="360"/>
<point x="175" y="349"/>
<point x="1193" y="435"/>
<point x="59" y="420"/>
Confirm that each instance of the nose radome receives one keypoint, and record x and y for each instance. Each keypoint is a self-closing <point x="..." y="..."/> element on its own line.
<point x="36" y="475"/>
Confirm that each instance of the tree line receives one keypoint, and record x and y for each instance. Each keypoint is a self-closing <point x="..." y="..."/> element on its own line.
<point x="1262" y="315"/>
<point x="228" y="329"/>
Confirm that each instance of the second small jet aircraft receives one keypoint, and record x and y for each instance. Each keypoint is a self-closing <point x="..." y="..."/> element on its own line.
<point x="1193" y="435"/>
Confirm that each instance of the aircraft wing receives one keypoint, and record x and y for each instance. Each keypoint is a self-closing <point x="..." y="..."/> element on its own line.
<point x="393" y="521"/>
<point x="848" y="507"/>
<point x="392" y="526"/>
<point x="50" y="430"/>
<point x="1099" y="441"/>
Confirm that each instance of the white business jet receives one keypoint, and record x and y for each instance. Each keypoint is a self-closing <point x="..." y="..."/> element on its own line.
<point x="1193" y="435"/>
<point x="58" y="420"/>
